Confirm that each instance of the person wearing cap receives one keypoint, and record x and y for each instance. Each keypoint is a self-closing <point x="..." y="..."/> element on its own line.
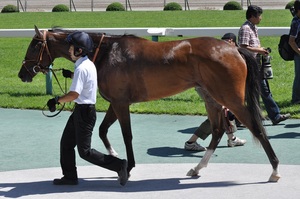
<point x="79" y="127"/>
<point x="204" y="130"/>
<point x="248" y="38"/>
<point x="230" y="38"/>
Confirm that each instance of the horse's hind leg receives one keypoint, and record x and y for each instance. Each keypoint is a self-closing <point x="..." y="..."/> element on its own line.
<point x="218" y="132"/>
<point x="272" y="157"/>
<point x="254" y="124"/>
<point x="259" y="132"/>
<point x="214" y="111"/>
<point x="109" y="119"/>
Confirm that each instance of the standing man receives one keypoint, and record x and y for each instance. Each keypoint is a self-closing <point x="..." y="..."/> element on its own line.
<point x="248" y="38"/>
<point x="294" y="32"/>
<point x="79" y="128"/>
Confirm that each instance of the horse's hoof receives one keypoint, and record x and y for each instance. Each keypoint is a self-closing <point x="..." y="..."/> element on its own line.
<point x="274" y="178"/>
<point x="192" y="172"/>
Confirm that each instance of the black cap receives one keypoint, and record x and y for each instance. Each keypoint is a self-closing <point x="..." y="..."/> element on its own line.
<point x="228" y="36"/>
<point x="81" y="40"/>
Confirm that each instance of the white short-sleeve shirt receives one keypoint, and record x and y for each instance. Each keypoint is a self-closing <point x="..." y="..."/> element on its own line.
<point x="85" y="81"/>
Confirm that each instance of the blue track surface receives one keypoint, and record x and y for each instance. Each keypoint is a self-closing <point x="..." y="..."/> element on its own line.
<point x="30" y="160"/>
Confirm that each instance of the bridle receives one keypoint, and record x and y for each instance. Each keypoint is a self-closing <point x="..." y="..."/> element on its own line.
<point x="38" y="66"/>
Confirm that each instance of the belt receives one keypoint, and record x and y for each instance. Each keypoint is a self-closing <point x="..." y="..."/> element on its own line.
<point x="84" y="105"/>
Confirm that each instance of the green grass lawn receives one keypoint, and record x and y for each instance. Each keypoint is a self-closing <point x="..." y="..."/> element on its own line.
<point x="16" y="94"/>
<point x="196" y="18"/>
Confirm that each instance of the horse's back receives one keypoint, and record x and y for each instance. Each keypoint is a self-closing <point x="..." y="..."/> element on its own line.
<point x="144" y="70"/>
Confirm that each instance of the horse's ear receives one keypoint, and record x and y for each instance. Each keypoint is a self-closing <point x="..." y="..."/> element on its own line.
<point x="38" y="32"/>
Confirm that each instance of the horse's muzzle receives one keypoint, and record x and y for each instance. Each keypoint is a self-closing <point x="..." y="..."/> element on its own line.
<point x="25" y="78"/>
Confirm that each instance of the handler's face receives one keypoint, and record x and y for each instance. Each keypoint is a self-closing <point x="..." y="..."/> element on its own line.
<point x="71" y="52"/>
<point x="230" y="41"/>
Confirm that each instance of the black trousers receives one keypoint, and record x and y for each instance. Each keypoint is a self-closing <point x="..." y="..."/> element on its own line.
<point x="78" y="132"/>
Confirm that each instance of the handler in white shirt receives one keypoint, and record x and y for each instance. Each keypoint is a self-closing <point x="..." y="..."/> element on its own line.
<point x="79" y="128"/>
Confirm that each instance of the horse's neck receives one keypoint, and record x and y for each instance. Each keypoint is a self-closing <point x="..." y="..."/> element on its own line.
<point x="58" y="47"/>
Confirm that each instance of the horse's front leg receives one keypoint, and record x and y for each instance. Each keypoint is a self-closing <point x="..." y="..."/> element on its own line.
<point x="122" y="112"/>
<point x="109" y="119"/>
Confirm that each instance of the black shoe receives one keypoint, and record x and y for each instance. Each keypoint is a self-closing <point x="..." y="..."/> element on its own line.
<point x="65" y="181"/>
<point x="123" y="175"/>
<point x="281" y="118"/>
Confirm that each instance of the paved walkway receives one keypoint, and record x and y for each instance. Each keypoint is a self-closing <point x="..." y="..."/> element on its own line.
<point x="29" y="160"/>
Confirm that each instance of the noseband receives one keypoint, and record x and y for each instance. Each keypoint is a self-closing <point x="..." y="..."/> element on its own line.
<point x="38" y="66"/>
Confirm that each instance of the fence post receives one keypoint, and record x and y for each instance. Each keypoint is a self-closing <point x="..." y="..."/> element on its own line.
<point x="154" y="38"/>
<point x="156" y="32"/>
<point x="127" y="3"/>
<point x="49" y="82"/>
<point x="186" y="5"/>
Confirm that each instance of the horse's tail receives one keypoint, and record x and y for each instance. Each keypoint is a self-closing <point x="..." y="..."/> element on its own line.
<point x="253" y="91"/>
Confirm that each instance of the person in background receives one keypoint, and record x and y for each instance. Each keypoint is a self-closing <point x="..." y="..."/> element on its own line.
<point x="79" y="128"/>
<point x="204" y="129"/>
<point x="248" y="38"/>
<point x="294" y="34"/>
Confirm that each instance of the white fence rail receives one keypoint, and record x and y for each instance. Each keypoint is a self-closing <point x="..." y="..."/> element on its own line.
<point x="193" y="32"/>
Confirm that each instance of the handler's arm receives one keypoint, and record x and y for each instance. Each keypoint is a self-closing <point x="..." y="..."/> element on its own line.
<point x="69" y="97"/>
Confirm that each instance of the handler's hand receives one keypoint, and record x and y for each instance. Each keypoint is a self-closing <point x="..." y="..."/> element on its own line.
<point x="67" y="73"/>
<point x="52" y="103"/>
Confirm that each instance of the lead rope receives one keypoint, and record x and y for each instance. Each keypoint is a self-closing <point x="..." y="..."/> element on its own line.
<point x="53" y="72"/>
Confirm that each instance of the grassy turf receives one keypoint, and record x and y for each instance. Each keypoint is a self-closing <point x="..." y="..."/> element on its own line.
<point x="196" y="18"/>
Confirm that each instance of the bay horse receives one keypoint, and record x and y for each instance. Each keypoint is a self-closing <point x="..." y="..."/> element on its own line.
<point x="132" y="69"/>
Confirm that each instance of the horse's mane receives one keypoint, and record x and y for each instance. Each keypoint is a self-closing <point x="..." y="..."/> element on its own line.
<point x="60" y="30"/>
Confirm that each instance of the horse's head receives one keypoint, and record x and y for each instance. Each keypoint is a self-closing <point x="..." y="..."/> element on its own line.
<point x="37" y="58"/>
